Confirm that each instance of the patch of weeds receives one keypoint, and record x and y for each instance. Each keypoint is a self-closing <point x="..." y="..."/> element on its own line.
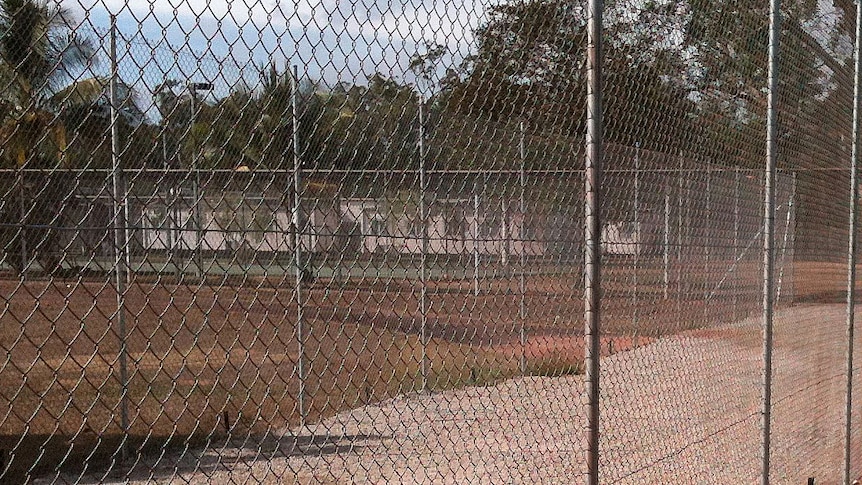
<point x="555" y="365"/>
<point x="471" y="376"/>
<point x="485" y="376"/>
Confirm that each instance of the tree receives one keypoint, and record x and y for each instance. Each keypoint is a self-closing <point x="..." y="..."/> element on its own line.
<point x="529" y="66"/>
<point x="684" y="77"/>
<point x="38" y="52"/>
<point x="271" y="134"/>
<point x="84" y="110"/>
<point x="94" y="94"/>
<point x="678" y="75"/>
<point x="251" y="127"/>
<point x="356" y="126"/>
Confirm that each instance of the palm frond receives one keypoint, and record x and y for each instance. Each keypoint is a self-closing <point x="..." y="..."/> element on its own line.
<point x="85" y="91"/>
<point x="39" y="46"/>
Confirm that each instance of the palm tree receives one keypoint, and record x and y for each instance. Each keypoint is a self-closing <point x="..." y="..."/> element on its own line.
<point x="84" y="110"/>
<point x="39" y="52"/>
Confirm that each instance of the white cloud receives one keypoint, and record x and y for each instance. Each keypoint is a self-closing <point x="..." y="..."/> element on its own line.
<point x="443" y="22"/>
<point x="241" y="12"/>
<point x="335" y="40"/>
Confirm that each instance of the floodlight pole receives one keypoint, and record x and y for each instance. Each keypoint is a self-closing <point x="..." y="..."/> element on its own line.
<point x="194" y="87"/>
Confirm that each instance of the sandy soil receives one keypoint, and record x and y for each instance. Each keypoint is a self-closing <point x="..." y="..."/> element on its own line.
<point x="682" y="409"/>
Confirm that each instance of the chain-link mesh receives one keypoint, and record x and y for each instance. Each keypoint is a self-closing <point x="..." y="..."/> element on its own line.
<point x="334" y="242"/>
<point x="816" y="113"/>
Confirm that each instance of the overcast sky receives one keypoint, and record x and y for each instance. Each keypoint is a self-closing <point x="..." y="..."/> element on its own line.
<point x="221" y="41"/>
<point x="328" y="39"/>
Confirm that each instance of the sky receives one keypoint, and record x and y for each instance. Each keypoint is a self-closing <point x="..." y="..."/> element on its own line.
<point x="222" y="41"/>
<point x="328" y="39"/>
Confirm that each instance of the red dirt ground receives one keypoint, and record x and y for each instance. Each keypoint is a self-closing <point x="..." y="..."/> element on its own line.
<point x="201" y="352"/>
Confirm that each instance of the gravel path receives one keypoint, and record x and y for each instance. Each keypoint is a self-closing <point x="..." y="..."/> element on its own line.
<point x="684" y="409"/>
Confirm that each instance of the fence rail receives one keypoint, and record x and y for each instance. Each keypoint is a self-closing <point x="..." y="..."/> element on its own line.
<point x="493" y="242"/>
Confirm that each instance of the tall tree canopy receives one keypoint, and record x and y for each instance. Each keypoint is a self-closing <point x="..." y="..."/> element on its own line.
<point x="39" y="50"/>
<point x="678" y="75"/>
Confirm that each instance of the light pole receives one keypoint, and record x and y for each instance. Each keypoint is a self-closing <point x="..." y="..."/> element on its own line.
<point x="194" y="87"/>
<point x="171" y="204"/>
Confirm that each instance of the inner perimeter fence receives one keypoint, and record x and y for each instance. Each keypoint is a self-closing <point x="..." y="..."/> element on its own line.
<point x="482" y="242"/>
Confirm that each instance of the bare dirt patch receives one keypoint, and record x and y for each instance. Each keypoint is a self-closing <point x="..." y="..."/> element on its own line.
<point x="682" y="409"/>
<point x="210" y="362"/>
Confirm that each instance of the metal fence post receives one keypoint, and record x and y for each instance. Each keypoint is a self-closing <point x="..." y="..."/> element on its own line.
<point x="485" y="203"/>
<point x="679" y="242"/>
<point x="196" y="191"/>
<point x="196" y="212"/>
<point x="504" y="231"/>
<point x="638" y="236"/>
<point x="666" y="243"/>
<point x="852" y="246"/>
<point x="423" y="269"/>
<point x="735" y="240"/>
<point x="690" y="235"/>
<point x="297" y="245"/>
<point x="784" y="243"/>
<point x="22" y="232"/>
<point x="707" y="270"/>
<point x="476" y="226"/>
<point x="592" y="247"/>
<point x="792" y="258"/>
<point x="768" y="233"/>
<point x="522" y="257"/>
<point x="120" y="243"/>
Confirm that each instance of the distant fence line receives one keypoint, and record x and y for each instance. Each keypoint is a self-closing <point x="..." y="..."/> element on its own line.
<point x="356" y="213"/>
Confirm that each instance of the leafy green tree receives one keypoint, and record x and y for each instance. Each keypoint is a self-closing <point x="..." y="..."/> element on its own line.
<point x="251" y="127"/>
<point x="356" y="126"/>
<point x="38" y="52"/>
<point x="529" y="65"/>
<point x="678" y="75"/>
<point x="84" y="109"/>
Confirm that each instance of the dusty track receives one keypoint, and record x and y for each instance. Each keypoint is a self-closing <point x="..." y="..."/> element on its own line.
<point x="684" y="409"/>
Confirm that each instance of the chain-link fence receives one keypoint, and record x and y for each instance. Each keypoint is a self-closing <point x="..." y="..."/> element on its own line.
<point x="482" y="242"/>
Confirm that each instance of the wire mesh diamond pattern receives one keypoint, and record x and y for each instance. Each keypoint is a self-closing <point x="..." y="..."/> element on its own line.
<point x="510" y="241"/>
